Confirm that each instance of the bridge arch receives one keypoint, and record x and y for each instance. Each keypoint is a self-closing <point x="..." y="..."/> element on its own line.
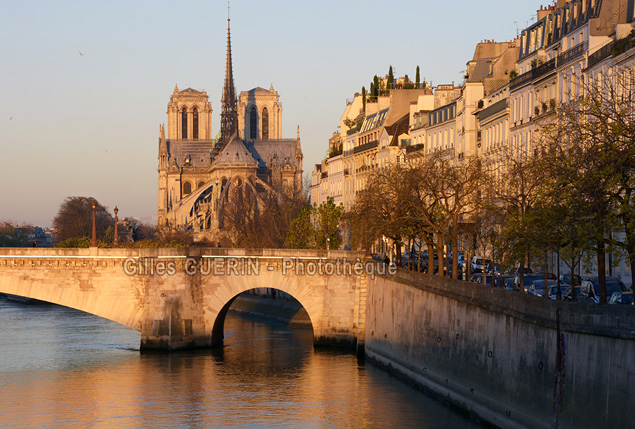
<point x="218" y="328"/>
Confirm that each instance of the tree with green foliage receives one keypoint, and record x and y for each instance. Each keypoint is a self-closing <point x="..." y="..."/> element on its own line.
<point x="364" y="99"/>
<point x="327" y="224"/>
<point x="391" y="79"/>
<point x="301" y="231"/>
<point x="315" y="226"/>
<point x="407" y="84"/>
<point x="375" y="92"/>
<point x="418" y="78"/>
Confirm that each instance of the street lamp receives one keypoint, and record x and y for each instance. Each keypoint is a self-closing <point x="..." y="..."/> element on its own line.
<point x="94" y="242"/>
<point x="116" y="223"/>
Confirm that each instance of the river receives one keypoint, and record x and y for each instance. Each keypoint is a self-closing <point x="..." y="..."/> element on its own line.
<point x="63" y="368"/>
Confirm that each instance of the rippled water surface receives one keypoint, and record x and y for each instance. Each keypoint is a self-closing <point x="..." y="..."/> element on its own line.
<point x="64" y="368"/>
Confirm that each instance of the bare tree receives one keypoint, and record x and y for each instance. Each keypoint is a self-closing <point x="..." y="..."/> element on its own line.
<point x="259" y="217"/>
<point x="74" y="219"/>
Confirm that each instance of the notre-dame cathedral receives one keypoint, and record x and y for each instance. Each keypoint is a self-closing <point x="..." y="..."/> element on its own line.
<point x="199" y="174"/>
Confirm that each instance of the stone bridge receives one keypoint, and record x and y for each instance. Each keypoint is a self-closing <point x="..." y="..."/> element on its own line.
<point x="178" y="298"/>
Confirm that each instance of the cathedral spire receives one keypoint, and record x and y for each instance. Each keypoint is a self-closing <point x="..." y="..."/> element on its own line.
<point x="229" y="115"/>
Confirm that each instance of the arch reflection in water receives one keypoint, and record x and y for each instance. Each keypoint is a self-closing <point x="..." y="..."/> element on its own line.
<point x="61" y="367"/>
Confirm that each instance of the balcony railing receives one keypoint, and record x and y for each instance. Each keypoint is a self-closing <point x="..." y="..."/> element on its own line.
<point x="414" y="148"/>
<point x="571" y="54"/>
<point x="600" y="54"/>
<point x="549" y="66"/>
<point x="366" y="146"/>
<point x="612" y="49"/>
<point x="521" y="79"/>
<point x="544" y="68"/>
<point x="499" y="106"/>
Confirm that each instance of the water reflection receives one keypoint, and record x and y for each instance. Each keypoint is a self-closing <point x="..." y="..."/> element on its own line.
<point x="60" y="367"/>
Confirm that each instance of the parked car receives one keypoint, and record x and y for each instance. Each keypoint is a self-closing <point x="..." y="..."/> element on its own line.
<point x="572" y="279"/>
<point x="553" y="291"/>
<point x="516" y="271"/>
<point x="508" y="283"/>
<point x="548" y="276"/>
<point x="537" y="287"/>
<point x="493" y="268"/>
<point x="379" y="257"/>
<point x="478" y="278"/>
<point x="580" y="296"/>
<point x="479" y="263"/>
<point x="591" y="288"/>
<point x="624" y="298"/>
<point x="527" y="280"/>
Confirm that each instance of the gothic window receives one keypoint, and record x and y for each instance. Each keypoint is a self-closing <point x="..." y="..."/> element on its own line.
<point x="253" y="124"/>
<point x="200" y="184"/>
<point x="187" y="188"/>
<point x="195" y="124"/>
<point x="184" y="123"/>
<point x="265" y="123"/>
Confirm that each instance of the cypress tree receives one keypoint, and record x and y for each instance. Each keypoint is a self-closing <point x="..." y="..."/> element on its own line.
<point x="391" y="79"/>
<point x="364" y="99"/>
<point x="417" y="78"/>
<point x="376" y="87"/>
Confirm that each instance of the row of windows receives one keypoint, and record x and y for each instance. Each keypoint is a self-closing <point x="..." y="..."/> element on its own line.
<point x="443" y="114"/>
<point x="556" y="25"/>
<point x="187" y="187"/>
<point x="494" y="136"/>
<point x="441" y="139"/>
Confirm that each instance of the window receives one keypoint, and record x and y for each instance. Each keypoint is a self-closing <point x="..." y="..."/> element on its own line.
<point x="253" y="123"/>
<point x="187" y="188"/>
<point x="265" y="123"/>
<point x="184" y="123"/>
<point x="195" y="124"/>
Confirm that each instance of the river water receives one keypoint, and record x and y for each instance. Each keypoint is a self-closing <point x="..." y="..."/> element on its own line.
<point x="63" y="368"/>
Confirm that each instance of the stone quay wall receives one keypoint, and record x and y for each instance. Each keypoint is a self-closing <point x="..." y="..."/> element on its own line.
<point x="493" y="352"/>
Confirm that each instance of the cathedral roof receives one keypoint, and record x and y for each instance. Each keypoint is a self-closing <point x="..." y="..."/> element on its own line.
<point x="235" y="152"/>
<point x="257" y="89"/>
<point x="191" y="90"/>
<point x="274" y="152"/>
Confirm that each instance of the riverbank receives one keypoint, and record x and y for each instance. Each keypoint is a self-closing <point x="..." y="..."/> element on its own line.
<point x="282" y="311"/>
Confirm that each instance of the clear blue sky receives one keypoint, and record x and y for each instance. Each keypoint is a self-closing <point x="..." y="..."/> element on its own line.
<point x="87" y="125"/>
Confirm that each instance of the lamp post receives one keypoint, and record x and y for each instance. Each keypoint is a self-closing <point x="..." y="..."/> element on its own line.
<point x="94" y="242"/>
<point x="116" y="224"/>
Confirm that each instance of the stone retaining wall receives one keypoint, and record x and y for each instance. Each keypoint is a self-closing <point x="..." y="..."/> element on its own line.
<point x="492" y="352"/>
